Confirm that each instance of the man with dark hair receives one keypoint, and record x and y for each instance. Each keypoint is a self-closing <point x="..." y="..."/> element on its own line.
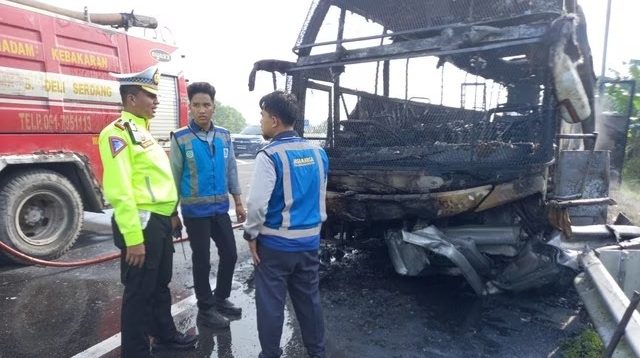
<point x="286" y="208"/>
<point x="138" y="183"/>
<point x="205" y="171"/>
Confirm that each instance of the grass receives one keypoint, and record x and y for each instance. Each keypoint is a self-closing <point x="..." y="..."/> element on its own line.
<point x="628" y="198"/>
<point x="586" y="345"/>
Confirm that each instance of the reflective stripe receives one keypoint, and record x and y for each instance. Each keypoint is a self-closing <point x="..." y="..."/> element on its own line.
<point x="297" y="145"/>
<point x="205" y="199"/>
<point x="279" y="149"/>
<point x="286" y="185"/>
<point x="290" y="233"/>
<point x="323" y="187"/>
<point x="191" y="164"/>
<point x="147" y="180"/>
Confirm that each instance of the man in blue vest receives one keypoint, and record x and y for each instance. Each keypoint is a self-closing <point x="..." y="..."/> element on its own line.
<point x="286" y="208"/>
<point x="205" y="171"/>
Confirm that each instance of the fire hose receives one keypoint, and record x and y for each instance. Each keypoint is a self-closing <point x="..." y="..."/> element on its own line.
<point x="96" y="260"/>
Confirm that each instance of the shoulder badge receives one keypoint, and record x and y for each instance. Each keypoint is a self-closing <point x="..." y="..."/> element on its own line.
<point x="116" y="144"/>
<point x="137" y="137"/>
<point x="119" y="124"/>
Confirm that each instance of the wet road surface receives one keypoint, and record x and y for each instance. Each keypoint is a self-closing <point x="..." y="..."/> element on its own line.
<point x="385" y="315"/>
<point x="369" y="310"/>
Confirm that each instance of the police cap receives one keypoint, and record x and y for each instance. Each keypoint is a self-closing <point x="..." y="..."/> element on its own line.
<point x="148" y="79"/>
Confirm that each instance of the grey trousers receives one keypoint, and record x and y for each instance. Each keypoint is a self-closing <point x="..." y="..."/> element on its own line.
<point x="297" y="273"/>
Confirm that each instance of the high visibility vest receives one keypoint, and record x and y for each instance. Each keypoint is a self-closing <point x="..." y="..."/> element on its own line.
<point x="203" y="186"/>
<point x="296" y="209"/>
<point x="137" y="175"/>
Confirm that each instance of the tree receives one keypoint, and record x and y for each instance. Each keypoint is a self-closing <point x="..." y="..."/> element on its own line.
<point x="229" y="118"/>
<point x="619" y="95"/>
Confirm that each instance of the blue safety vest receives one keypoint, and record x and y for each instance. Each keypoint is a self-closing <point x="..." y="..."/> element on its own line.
<point x="203" y="186"/>
<point x="296" y="209"/>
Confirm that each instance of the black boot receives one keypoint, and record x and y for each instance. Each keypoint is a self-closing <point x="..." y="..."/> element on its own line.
<point x="179" y="341"/>
<point x="227" y="308"/>
<point x="211" y="318"/>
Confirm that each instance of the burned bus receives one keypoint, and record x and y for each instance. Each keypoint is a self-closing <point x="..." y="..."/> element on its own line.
<point x="446" y="123"/>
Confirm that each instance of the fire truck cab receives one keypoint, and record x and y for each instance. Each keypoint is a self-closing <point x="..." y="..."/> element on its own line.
<point x="56" y="95"/>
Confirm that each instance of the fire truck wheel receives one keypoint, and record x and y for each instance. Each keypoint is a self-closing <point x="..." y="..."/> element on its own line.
<point x="40" y="213"/>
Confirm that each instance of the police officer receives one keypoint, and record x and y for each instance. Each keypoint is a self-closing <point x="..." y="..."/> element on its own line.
<point x="205" y="171"/>
<point x="285" y="210"/>
<point x="138" y="183"/>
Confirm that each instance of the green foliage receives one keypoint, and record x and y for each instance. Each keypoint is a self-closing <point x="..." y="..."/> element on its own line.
<point x="587" y="345"/>
<point x="618" y="96"/>
<point x="617" y="100"/>
<point x="229" y="118"/>
<point x="631" y="172"/>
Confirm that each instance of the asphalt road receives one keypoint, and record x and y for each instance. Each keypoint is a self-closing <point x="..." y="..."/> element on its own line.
<point x="369" y="310"/>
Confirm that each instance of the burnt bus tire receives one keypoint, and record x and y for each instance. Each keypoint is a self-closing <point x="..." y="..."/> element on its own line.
<point x="40" y="214"/>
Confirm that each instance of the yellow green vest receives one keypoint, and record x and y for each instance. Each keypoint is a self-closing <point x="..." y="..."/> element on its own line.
<point x="137" y="175"/>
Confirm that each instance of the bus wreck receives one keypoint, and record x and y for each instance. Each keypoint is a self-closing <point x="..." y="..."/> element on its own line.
<point x="445" y="123"/>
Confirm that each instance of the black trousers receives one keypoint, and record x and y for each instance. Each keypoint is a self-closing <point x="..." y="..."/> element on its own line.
<point x="146" y="302"/>
<point x="296" y="272"/>
<point x="201" y="231"/>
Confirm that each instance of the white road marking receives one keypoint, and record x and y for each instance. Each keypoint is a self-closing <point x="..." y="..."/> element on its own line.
<point x="113" y="342"/>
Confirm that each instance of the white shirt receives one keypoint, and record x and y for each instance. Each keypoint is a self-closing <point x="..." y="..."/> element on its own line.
<point x="262" y="185"/>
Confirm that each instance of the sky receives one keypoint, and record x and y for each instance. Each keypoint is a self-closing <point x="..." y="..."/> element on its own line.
<point x="222" y="39"/>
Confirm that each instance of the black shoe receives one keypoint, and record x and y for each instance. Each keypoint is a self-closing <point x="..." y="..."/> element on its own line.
<point x="180" y="341"/>
<point x="226" y="307"/>
<point x="262" y="355"/>
<point x="212" y="319"/>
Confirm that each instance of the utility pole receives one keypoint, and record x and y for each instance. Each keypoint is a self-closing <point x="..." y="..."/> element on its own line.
<point x="606" y="41"/>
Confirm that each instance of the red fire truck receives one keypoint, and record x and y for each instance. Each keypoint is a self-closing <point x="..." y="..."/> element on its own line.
<point x="56" y="95"/>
